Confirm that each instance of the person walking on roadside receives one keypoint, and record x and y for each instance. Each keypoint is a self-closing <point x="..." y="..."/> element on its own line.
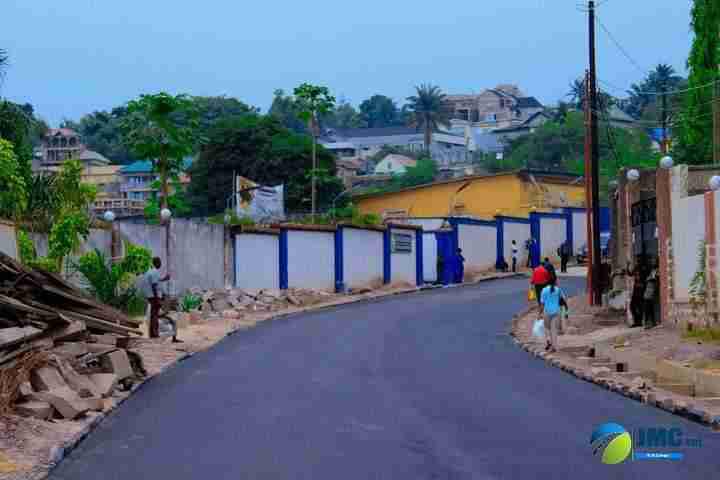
<point x="514" y="256"/>
<point x="550" y="268"/>
<point x="564" y="251"/>
<point x="459" y="266"/>
<point x="151" y="291"/>
<point x="550" y="301"/>
<point x="529" y="247"/>
<point x="540" y="279"/>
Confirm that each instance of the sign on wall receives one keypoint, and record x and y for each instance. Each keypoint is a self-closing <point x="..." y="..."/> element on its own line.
<point x="401" y="243"/>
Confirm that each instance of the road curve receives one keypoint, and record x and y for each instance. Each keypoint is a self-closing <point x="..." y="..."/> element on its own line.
<point x="424" y="386"/>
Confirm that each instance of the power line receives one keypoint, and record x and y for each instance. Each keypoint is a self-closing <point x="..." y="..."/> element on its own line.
<point x="669" y="92"/>
<point x="622" y="49"/>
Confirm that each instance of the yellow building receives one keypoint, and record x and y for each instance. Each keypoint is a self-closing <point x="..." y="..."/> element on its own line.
<point x="103" y="177"/>
<point x="485" y="196"/>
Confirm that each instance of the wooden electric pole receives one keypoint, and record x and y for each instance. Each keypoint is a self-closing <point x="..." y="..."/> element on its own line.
<point x="594" y="161"/>
<point x="588" y="188"/>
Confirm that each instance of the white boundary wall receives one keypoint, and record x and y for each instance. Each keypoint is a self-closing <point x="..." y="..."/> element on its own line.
<point x="520" y="232"/>
<point x="311" y="259"/>
<point x="688" y="230"/>
<point x="8" y="242"/>
<point x="553" y="232"/>
<point x="403" y="265"/>
<point x="363" y="257"/>
<point x="478" y="244"/>
<point x="579" y="230"/>
<point x="429" y="257"/>
<point x="257" y="261"/>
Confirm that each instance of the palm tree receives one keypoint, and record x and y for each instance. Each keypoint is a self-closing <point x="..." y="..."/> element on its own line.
<point x="428" y="110"/>
<point x="577" y="93"/>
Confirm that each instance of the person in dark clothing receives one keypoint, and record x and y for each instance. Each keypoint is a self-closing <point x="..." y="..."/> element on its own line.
<point x="550" y="268"/>
<point x="514" y="256"/>
<point x="564" y="251"/>
<point x="637" y="301"/>
<point x="529" y="247"/>
<point x="459" y="266"/>
<point x="440" y="269"/>
<point x="649" y="300"/>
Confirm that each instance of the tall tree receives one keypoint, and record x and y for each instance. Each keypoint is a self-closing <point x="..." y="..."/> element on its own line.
<point x="153" y="132"/>
<point x="261" y="149"/>
<point x="428" y="110"/>
<point x="380" y="111"/>
<point x="313" y="101"/>
<point x="343" y="115"/>
<point x="647" y="93"/>
<point x="285" y="110"/>
<point x="694" y="133"/>
<point x="578" y="92"/>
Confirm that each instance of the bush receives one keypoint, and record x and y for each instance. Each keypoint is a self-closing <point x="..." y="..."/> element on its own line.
<point x="113" y="284"/>
<point x="190" y="302"/>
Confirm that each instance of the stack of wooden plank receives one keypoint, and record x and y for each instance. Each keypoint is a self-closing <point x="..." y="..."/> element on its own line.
<point x="39" y="309"/>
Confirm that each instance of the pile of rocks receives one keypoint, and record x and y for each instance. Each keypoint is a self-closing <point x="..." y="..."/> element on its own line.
<point x="233" y="303"/>
<point x="78" y="374"/>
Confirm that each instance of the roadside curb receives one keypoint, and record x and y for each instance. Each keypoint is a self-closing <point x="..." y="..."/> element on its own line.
<point x="656" y="397"/>
<point x="59" y="453"/>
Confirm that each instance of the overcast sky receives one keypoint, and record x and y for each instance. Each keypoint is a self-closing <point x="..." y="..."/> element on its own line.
<point x="71" y="57"/>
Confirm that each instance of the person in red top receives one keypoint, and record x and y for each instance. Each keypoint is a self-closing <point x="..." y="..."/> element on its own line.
<point x="540" y="279"/>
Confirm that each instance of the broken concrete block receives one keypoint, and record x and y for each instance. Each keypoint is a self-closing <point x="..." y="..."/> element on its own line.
<point x="34" y="409"/>
<point x="106" y="339"/>
<point x="16" y="335"/>
<point x="99" y="348"/>
<point x="105" y="383"/>
<point x="46" y="378"/>
<point x="25" y="389"/>
<point x="71" y="349"/>
<point x="195" y="318"/>
<point x="80" y="383"/>
<point x="600" y="372"/>
<point x="64" y="400"/>
<point x="118" y="363"/>
<point x="230" y="314"/>
<point x="294" y="300"/>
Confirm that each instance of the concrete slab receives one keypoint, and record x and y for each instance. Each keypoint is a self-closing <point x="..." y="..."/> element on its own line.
<point x="105" y="383"/>
<point x="65" y="400"/>
<point x="71" y="350"/>
<point x="34" y="409"/>
<point x="118" y="363"/>
<point x="46" y="378"/>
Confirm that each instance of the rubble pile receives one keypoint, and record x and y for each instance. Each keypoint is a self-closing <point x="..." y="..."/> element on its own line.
<point x="236" y="301"/>
<point x="61" y="352"/>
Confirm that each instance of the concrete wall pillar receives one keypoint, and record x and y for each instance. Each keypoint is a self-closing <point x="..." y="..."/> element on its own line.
<point x="664" y="226"/>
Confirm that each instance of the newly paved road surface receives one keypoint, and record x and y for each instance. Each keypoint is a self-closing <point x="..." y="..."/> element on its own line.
<point x="426" y="386"/>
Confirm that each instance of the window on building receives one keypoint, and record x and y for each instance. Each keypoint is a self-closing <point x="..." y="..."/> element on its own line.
<point x="463" y="114"/>
<point x="491" y="117"/>
<point x="401" y="243"/>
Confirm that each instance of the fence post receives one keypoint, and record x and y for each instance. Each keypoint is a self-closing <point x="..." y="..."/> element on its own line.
<point x="419" y="257"/>
<point x="387" y="264"/>
<point x="283" y="256"/>
<point x="339" y="260"/>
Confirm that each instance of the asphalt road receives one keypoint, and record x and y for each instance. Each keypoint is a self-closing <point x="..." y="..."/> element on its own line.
<point x="425" y="386"/>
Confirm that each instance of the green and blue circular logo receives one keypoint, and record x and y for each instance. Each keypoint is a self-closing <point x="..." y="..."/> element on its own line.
<point x="613" y="442"/>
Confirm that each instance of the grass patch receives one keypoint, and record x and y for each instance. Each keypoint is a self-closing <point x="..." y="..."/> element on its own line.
<point x="704" y="334"/>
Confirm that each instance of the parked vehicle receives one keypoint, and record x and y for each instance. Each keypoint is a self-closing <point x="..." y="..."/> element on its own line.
<point x="582" y="254"/>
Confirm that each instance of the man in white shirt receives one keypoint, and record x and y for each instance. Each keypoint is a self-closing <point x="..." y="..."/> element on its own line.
<point x="151" y="291"/>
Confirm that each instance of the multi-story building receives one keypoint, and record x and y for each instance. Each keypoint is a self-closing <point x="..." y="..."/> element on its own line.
<point x="137" y="180"/>
<point x="361" y="143"/>
<point x="61" y="144"/>
<point x="504" y="106"/>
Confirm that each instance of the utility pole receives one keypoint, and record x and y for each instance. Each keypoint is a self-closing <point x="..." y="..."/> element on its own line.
<point x="664" y="148"/>
<point x="594" y="159"/>
<point x="588" y="188"/>
<point x="716" y="122"/>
